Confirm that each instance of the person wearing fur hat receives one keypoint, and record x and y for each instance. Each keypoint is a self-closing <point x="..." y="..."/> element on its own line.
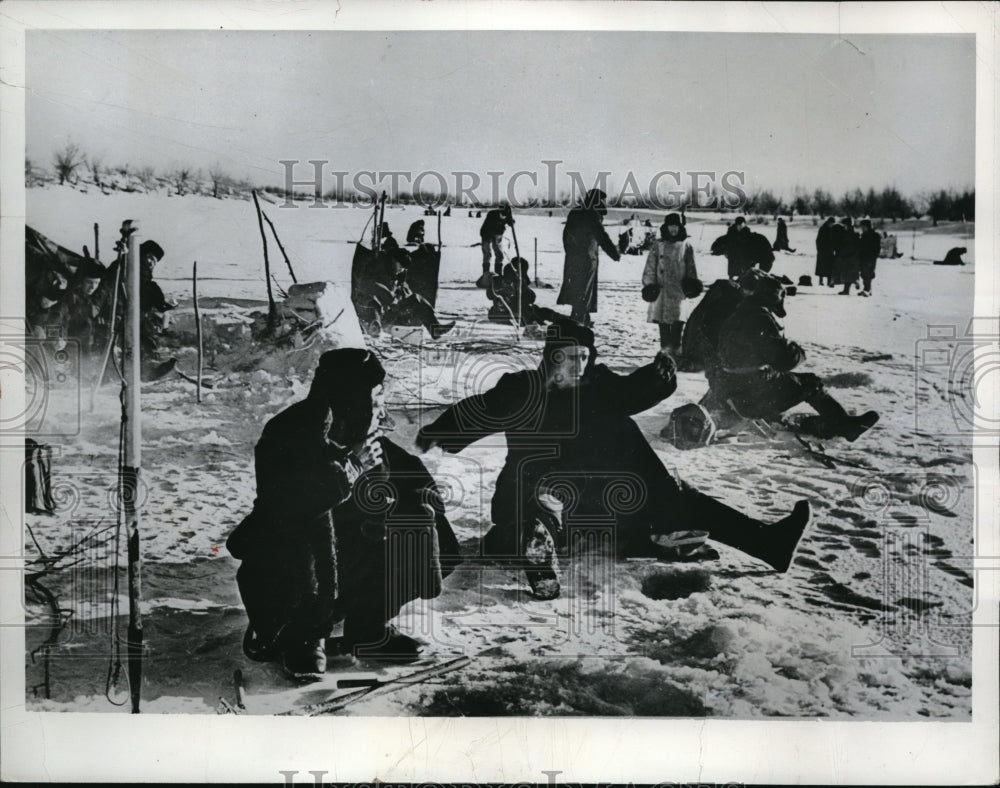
<point x="153" y="309"/>
<point x="82" y="318"/>
<point x="575" y="455"/>
<point x="669" y="265"/>
<point x="346" y="524"/>
<point x="756" y="375"/>
<point x="583" y="235"/>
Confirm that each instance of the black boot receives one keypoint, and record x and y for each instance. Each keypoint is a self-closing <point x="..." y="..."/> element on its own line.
<point x="377" y="642"/>
<point x="774" y="544"/>
<point x="540" y="555"/>
<point x="833" y="421"/>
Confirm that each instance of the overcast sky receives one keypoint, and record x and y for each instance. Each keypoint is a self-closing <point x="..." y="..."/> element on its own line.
<point x="785" y="109"/>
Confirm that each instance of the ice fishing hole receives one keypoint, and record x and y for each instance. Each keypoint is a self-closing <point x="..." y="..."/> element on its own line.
<point x="676" y="585"/>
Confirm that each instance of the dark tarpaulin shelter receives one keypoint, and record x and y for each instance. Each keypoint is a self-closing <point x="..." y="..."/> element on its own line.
<point x="373" y="278"/>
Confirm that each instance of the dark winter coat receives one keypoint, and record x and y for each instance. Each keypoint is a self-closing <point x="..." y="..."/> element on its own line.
<point x="581" y="439"/>
<point x="869" y="247"/>
<point x="953" y="257"/>
<point x="583" y="235"/>
<point x="781" y="239"/>
<point x="825" y="250"/>
<point x="756" y="362"/>
<point x="745" y="249"/>
<point x="495" y="223"/>
<point x="847" y="254"/>
<point x="701" y="332"/>
<point x="323" y="542"/>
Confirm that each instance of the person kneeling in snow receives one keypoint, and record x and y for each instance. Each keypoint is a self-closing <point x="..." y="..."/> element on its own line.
<point x="755" y="375"/>
<point x="346" y="524"/>
<point x="570" y="434"/>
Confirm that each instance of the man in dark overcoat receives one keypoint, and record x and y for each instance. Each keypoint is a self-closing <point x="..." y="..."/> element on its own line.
<point x="756" y="376"/>
<point x="583" y="235"/>
<point x="346" y="524"/>
<point x="571" y="438"/>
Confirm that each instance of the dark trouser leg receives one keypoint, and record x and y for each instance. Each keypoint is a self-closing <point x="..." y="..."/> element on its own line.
<point x="487" y="243"/>
<point x="498" y="255"/>
<point x="362" y="585"/>
<point x="676" y="334"/>
<point x="581" y="313"/>
<point x="834" y="421"/>
<point x="772" y="543"/>
<point x="666" y="337"/>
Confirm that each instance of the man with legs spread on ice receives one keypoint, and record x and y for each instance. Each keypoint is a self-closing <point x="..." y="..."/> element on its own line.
<point x="346" y="524"/>
<point x="755" y="369"/>
<point x="573" y="446"/>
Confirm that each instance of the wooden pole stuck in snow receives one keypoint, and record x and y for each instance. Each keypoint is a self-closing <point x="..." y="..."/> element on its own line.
<point x="130" y="474"/>
<point x="272" y="308"/>
<point x="439" y="232"/>
<point x="536" y="262"/>
<point x="97" y="243"/>
<point x="277" y="240"/>
<point x="197" y="328"/>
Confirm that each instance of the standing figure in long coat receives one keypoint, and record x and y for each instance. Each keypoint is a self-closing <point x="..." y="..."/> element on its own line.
<point x="824" y="252"/>
<point x="869" y="246"/>
<point x="583" y="234"/>
<point x="847" y="251"/>
<point x="346" y="524"/>
<point x="571" y="438"/>
<point x="669" y="264"/>
<point x="781" y="239"/>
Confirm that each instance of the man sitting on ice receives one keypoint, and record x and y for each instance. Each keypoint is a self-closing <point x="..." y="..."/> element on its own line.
<point x="756" y="362"/>
<point x="346" y="524"/>
<point x="954" y="256"/>
<point x="572" y="443"/>
<point x="514" y="300"/>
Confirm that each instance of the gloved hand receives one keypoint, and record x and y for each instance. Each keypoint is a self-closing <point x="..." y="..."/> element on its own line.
<point x="425" y="442"/>
<point x="665" y="365"/>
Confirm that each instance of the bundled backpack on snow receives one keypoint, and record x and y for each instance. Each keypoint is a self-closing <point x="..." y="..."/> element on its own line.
<point x="690" y="427"/>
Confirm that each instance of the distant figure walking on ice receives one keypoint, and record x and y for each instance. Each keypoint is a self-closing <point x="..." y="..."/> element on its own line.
<point x="583" y="234"/>
<point x="954" y="256"/>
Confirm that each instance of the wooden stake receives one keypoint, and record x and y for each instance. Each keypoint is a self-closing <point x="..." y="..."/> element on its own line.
<point x="130" y="477"/>
<point x="537" y="283"/>
<point x="439" y="232"/>
<point x="517" y="254"/>
<point x="272" y="308"/>
<point x="282" y="248"/>
<point x="97" y="243"/>
<point x="197" y="328"/>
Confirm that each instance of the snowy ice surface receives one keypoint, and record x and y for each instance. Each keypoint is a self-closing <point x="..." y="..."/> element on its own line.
<point x="873" y="621"/>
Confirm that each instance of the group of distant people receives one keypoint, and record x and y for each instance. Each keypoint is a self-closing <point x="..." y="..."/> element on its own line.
<point x="843" y="255"/>
<point x="72" y="297"/>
